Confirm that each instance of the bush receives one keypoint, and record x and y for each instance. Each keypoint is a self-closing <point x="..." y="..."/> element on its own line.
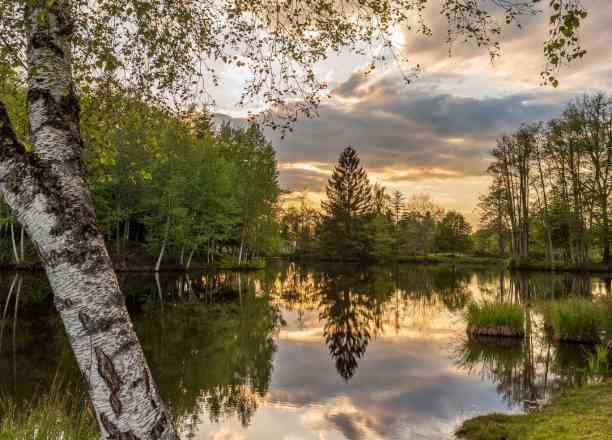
<point x="575" y="320"/>
<point x="495" y="319"/>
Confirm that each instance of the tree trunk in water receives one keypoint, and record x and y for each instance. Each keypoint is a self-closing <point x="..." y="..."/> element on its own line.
<point x="47" y="191"/>
<point x="240" y="252"/>
<point x="15" y="253"/>
<point x="605" y="234"/>
<point x="21" y="244"/>
<point x="161" y="255"/>
<point x="190" y="258"/>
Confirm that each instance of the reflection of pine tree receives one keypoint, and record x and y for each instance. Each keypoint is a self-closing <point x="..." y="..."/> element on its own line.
<point x="349" y="319"/>
<point x="349" y="200"/>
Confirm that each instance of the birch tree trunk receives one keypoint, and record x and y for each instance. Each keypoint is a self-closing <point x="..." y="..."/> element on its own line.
<point x="47" y="191"/>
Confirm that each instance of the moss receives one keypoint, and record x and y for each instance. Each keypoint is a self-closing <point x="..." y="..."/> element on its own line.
<point x="574" y="414"/>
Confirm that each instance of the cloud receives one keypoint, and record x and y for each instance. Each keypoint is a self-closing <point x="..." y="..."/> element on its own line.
<point x="407" y="134"/>
<point x="435" y="134"/>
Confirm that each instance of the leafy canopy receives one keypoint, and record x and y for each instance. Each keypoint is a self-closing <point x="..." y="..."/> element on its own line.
<point x="175" y="48"/>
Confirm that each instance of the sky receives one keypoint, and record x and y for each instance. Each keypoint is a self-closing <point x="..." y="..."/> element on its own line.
<point x="433" y="135"/>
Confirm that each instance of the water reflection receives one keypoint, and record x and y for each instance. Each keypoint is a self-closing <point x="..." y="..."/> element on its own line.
<point x="302" y="351"/>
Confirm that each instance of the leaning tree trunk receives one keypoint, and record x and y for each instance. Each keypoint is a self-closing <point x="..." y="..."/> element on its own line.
<point x="48" y="193"/>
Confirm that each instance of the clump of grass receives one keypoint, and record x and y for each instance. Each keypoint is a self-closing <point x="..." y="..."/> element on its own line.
<point x="495" y="319"/>
<point x="61" y="414"/>
<point x="573" y="414"/>
<point x="575" y="319"/>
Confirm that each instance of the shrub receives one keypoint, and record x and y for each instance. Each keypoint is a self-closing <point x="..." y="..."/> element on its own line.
<point x="575" y="320"/>
<point x="495" y="319"/>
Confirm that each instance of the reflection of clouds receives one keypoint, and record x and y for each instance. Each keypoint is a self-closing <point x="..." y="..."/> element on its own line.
<point x="341" y="415"/>
<point x="227" y="435"/>
<point x="407" y="386"/>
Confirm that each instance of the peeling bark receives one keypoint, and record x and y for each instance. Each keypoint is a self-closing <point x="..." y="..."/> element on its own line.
<point x="47" y="191"/>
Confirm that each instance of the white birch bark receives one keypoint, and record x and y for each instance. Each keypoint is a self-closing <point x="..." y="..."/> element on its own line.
<point x="161" y="256"/>
<point x="15" y="253"/>
<point x="47" y="191"/>
<point x="21" y="244"/>
<point x="188" y="265"/>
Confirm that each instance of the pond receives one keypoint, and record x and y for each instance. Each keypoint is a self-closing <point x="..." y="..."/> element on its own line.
<point x="313" y="352"/>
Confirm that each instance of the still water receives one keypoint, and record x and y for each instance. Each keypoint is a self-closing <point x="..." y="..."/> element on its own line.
<point x="300" y="352"/>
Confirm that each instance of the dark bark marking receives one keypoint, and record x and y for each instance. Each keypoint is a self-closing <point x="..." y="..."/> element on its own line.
<point x="115" y="404"/>
<point x="147" y="381"/>
<point x="109" y="426"/>
<point x="113" y="431"/>
<point x="62" y="304"/>
<point x="42" y="40"/>
<point x="126" y="346"/>
<point x="159" y="427"/>
<point x="107" y="371"/>
<point x="88" y="324"/>
<point x="61" y="115"/>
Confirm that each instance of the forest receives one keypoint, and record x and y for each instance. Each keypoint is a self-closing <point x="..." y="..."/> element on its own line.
<point x="551" y="187"/>
<point x="114" y="169"/>
<point x="360" y="220"/>
<point x="174" y="189"/>
<point x="548" y="204"/>
<point x="170" y="188"/>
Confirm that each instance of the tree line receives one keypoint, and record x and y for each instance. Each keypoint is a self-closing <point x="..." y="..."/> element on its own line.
<point x="551" y="187"/>
<point x="167" y="186"/>
<point x="361" y="220"/>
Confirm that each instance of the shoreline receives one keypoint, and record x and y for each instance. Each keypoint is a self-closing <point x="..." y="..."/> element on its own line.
<point x="435" y="260"/>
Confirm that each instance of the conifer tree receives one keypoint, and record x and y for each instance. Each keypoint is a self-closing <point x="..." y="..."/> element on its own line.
<point x="349" y="202"/>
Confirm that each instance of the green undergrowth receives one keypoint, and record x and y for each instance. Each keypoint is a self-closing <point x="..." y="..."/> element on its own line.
<point x="573" y="414"/>
<point x="63" y="413"/>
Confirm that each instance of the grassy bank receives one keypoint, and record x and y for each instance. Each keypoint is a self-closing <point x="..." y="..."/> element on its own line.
<point x="575" y="414"/>
<point x="61" y="414"/>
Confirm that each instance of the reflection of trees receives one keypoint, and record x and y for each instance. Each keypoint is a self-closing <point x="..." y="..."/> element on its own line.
<point x="348" y="317"/>
<point x="210" y="345"/>
<point x="355" y="304"/>
<point x="528" y="370"/>
<point x="27" y="364"/>
<point x="215" y="354"/>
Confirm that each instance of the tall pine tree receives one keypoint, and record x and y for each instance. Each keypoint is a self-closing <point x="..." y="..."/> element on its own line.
<point x="348" y="204"/>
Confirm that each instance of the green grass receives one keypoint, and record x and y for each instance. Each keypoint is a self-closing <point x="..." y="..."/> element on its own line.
<point x="575" y="319"/>
<point x="61" y="414"/>
<point x="575" y="414"/>
<point x="492" y="314"/>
